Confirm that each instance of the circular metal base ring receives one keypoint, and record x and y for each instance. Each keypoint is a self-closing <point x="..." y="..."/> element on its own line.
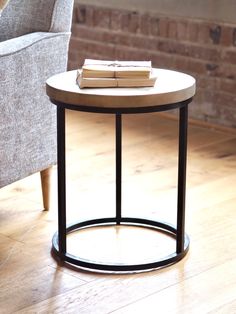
<point x="118" y="267"/>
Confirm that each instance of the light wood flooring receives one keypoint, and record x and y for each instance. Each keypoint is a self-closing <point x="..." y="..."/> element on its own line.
<point x="203" y="282"/>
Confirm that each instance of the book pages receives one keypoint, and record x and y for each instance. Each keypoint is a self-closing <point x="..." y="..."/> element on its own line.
<point x="102" y="73"/>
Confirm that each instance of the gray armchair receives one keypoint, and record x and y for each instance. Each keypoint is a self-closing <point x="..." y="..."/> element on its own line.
<point x="34" y="38"/>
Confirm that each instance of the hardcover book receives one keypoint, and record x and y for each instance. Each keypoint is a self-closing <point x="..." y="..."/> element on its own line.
<point x="114" y="82"/>
<point x="116" y="69"/>
<point x="101" y="73"/>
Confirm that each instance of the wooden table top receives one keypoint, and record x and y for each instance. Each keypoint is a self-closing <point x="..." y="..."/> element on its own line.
<point x="171" y="87"/>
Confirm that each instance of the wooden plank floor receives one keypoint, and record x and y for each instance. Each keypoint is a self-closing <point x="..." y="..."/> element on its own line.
<point x="203" y="282"/>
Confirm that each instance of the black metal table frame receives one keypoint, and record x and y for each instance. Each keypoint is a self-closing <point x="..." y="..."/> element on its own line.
<point x="59" y="246"/>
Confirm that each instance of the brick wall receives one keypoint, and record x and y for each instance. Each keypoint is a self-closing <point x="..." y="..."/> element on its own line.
<point x="203" y="49"/>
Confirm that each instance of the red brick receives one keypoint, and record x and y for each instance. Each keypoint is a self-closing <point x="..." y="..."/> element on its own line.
<point x="172" y="29"/>
<point x="134" y="22"/>
<point x="72" y="66"/>
<point x="115" y="19"/>
<point x="174" y="47"/>
<point x="227" y="36"/>
<point x="94" y="47"/>
<point x="74" y="44"/>
<point x="205" y="53"/>
<point x="163" y="27"/>
<point x="203" y="33"/>
<point x="192" y="31"/>
<point x="92" y="33"/>
<point x="80" y="14"/>
<point x="206" y="82"/>
<point x="123" y="39"/>
<point x="88" y="33"/>
<point x="104" y="36"/>
<point x="188" y="50"/>
<point x="182" y="48"/>
<point x="215" y="33"/>
<point x="125" y="53"/>
<point x="154" y="26"/>
<point x="89" y="15"/>
<point x="162" y="60"/>
<point x="73" y="56"/>
<point x="196" y="66"/>
<point x="143" y="42"/>
<point x="212" y="69"/>
<point x="166" y="46"/>
<point x="145" y="24"/>
<point x="222" y="70"/>
<point x="181" y="63"/>
<point x="228" y="86"/>
<point x="227" y="116"/>
<point x="181" y="30"/>
<point x="125" y="20"/>
<point x="101" y="17"/>
<point x="228" y="71"/>
<point x="101" y="49"/>
<point x="220" y="98"/>
<point x="230" y="56"/>
<point x="234" y="37"/>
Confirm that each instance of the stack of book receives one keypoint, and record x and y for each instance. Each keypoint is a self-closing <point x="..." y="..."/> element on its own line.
<point x="100" y="73"/>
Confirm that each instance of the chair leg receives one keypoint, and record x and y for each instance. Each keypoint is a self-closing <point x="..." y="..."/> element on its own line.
<point x="46" y="184"/>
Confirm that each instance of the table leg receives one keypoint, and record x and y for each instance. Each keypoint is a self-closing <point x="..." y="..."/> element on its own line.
<point x="183" y="126"/>
<point x="178" y="233"/>
<point x="118" y="166"/>
<point x="61" y="172"/>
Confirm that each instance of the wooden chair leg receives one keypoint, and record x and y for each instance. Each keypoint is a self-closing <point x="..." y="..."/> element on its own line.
<point x="46" y="185"/>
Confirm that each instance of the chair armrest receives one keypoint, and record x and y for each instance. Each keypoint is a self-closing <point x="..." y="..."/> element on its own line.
<point x="18" y="44"/>
<point x="27" y="118"/>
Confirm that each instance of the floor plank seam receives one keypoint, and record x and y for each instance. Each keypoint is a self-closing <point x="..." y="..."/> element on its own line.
<point x="216" y="142"/>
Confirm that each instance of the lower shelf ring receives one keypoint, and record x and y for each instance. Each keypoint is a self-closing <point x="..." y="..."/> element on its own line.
<point x="121" y="267"/>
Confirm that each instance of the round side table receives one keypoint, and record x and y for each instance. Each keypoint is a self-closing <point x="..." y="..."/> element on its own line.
<point x="172" y="90"/>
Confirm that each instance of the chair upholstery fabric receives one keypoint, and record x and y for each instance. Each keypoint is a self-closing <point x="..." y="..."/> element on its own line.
<point x="21" y="17"/>
<point x="34" y="38"/>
